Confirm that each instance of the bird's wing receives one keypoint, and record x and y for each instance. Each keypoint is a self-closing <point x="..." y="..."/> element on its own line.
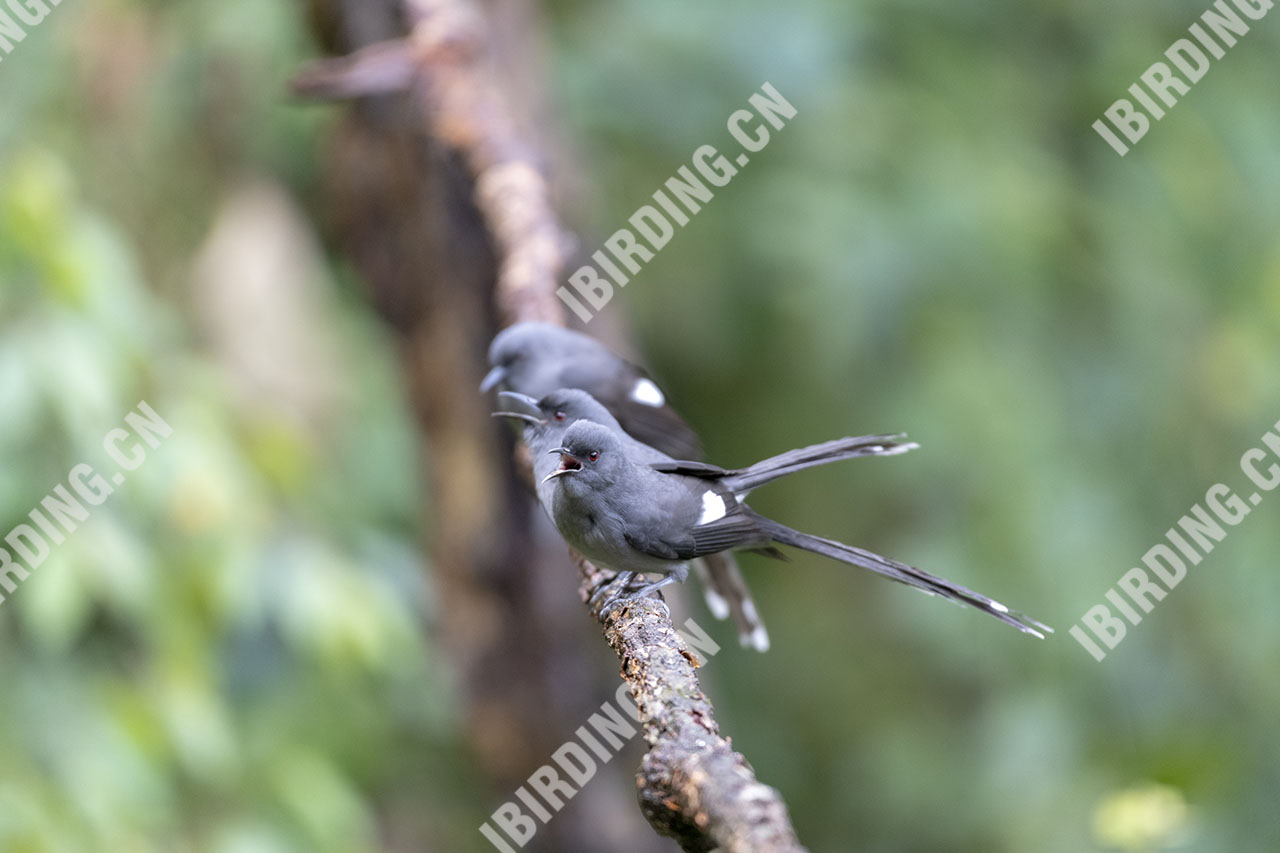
<point x="653" y="545"/>
<point x="640" y="406"/>
<point x="657" y="426"/>
<point x="735" y="530"/>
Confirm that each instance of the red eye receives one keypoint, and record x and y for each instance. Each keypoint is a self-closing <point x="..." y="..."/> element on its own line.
<point x="593" y="455"/>
<point x="558" y="416"/>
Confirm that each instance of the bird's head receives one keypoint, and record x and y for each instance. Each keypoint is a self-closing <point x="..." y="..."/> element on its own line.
<point x="509" y="349"/>
<point x="558" y="410"/>
<point x="517" y="349"/>
<point x="591" y="455"/>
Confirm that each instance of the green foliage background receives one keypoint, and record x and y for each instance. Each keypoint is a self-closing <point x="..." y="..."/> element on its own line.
<point x="233" y="654"/>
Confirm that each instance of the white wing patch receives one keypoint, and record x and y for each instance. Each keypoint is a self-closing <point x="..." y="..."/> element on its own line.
<point x="712" y="508"/>
<point x="648" y="394"/>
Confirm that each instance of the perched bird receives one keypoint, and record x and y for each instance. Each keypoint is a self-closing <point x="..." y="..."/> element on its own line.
<point x="547" y="421"/>
<point x="636" y="517"/>
<point x="538" y="358"/>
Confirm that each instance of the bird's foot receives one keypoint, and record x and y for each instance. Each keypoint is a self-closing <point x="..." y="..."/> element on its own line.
<point x="622" y="579"/>
<point x="630" y="594"/>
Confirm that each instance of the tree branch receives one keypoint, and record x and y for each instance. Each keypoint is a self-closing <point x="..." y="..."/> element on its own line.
<point x="443" y="61"/>
<point x="692" y="786"/>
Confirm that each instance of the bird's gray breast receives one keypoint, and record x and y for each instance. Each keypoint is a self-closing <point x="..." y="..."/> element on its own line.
<point x="597" y="529"/>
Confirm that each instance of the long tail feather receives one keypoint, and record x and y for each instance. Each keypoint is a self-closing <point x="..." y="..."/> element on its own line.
<point x="727" y="595"/>
<point x="767" y="470"/>
<point x="901" y="572"/>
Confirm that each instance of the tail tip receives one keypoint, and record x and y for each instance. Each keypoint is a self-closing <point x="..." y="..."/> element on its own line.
<point x="716" y="604"/>
<point x="757" y="638"/>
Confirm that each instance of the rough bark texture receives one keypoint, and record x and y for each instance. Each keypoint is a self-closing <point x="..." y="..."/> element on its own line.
<point x="447" y="215"/>
<point x="692" y="785"/>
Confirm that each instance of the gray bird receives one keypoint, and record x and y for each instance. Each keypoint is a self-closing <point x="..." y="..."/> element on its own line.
<point x="642" y="518"/>
<point x="548" y="420"/>
<point x="539" y="358"/>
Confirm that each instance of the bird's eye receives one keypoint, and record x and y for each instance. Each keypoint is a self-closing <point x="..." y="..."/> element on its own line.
<point x="593" y="455"/>
<point x="559" y="416"/>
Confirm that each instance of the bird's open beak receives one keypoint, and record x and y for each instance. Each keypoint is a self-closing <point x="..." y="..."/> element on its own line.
<point x="521" y="401"/>
<point x="519" y="416"/>
<point x="569" y="464"/>
<point x="492" y="378"/>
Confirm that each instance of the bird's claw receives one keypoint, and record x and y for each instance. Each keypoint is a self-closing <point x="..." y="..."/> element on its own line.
<point x="624" y="588"/>
<point x="634" y="593"/>
<point x="624" y="578"/>
<point x="612" y="602"/>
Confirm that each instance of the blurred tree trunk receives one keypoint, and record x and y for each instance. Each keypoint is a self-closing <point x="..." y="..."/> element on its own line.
<point x="526" y="658"/>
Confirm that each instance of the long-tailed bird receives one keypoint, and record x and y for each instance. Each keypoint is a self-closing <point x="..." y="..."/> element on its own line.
<point x="644" y="518"/>
<point x="547" y="421"/>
